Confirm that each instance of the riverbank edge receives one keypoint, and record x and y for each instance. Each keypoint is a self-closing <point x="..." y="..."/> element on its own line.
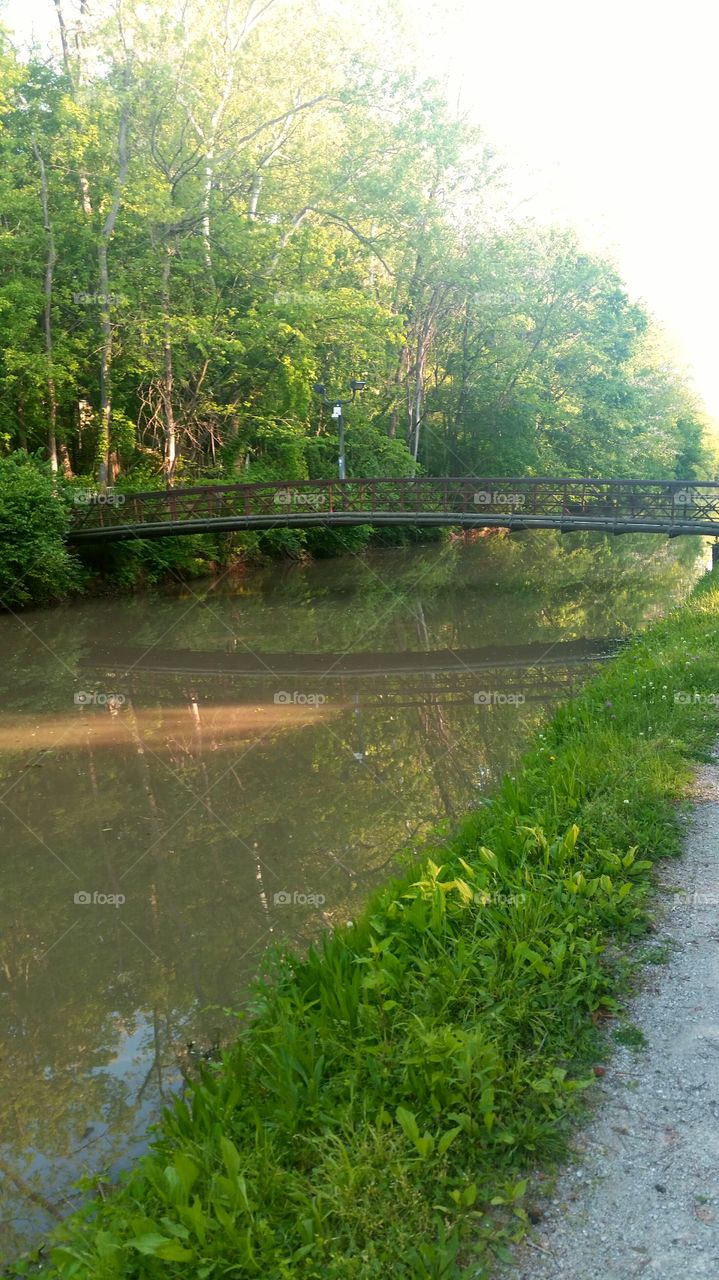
<point x="379" y="1108"/>
<point x="165" y="562"/>
<point x="126" y="568"/>
<point x="639" y="1194"/>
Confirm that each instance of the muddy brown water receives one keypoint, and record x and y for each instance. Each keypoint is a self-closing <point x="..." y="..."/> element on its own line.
<point x="190" y="775"/>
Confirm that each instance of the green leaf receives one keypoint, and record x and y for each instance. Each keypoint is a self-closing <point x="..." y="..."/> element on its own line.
<point x="175" y="1252"/>
<point x="447" y="1139"/>
<point x="230" y="1156"/>
<point x="408" y="1122"/>
<point x="150" y="1243"/>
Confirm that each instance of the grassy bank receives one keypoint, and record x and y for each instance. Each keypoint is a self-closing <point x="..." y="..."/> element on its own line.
<point x="378" y="1112"/>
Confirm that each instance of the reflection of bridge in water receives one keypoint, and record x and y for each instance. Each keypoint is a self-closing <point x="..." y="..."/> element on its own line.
<point x="540" y="672"/>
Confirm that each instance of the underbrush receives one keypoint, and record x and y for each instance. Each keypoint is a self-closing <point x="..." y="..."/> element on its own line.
<point x="36" y="566"/>
<point x="383" y="1101"/>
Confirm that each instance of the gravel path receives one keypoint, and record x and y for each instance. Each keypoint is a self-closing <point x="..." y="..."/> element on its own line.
<point x="644" y="1199"/>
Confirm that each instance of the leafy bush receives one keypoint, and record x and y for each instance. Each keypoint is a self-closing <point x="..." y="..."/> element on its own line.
<point x="35" y="564"/>
<point x="323" y="543"/>
<point x="369" y="453"/>
<point x="141" y="562"/>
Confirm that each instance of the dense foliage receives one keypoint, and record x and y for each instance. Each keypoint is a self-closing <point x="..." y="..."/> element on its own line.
<point x="379" y="1111"/>
<point x="208" y="207"/>
<point x="35" y="564"/>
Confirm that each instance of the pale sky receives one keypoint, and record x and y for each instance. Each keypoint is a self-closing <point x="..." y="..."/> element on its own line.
<point x="608" y="116"/>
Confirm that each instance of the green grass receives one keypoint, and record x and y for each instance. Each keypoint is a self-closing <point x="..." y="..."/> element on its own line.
<point x="659" y="954"/>
<point x="380" y="1108"/>
<point x="633" y="1037"/>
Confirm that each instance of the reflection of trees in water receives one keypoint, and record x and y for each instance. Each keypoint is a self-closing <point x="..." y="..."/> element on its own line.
<point x="227" y="807"/>
<point x="537" y="585"/>
<point x="201" y="896"/>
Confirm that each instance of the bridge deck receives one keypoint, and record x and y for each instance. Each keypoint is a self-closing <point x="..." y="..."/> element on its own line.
<point x="673" y="508"/>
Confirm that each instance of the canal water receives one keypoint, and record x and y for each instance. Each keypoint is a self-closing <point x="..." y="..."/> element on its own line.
<point x="192" y="775"/>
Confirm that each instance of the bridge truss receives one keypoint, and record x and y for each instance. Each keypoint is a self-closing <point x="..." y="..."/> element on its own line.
<point x="674" y="508"/>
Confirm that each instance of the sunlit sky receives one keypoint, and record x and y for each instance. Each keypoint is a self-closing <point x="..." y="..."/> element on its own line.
<point x="608" y="117"/>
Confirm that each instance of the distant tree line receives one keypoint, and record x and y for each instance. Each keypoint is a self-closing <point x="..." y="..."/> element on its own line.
<point x="207" y="207"/>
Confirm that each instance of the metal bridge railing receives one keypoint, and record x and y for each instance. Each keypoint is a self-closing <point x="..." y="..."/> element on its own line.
<point x="549" y="499"/>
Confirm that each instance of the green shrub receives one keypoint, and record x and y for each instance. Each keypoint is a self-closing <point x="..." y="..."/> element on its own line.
<point x="369" y="453"/>
<point x="35" y="564"/>
<point x="141" y="562"/>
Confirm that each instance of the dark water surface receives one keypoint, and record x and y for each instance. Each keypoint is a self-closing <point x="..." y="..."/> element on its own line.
<point x="227" y="765"/>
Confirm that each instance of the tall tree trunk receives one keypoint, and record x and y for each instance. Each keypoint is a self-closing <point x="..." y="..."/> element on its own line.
<point x="167" y="382"/>
<point x="400" y="374"/>
<point x="47" y="310"/>
<point x="64" y="42"/>
<point x="417" y="401"/>
<point x="103" y="443"/>
<point x="65" y="460"/>
<point x="104" y="460"/>
<point x="21" y="425"/>
<point x="229" y="45"/>
<point x="75" y="73"/>
<point x="275" y="147"/>
<point x="73" y="63"/>
<point x="211" y="143"/>
<point x="206" y="199"/>
<point x="254" y="196"/>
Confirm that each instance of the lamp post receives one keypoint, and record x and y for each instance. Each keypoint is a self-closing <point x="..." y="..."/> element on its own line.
<point x="336" y="405"/>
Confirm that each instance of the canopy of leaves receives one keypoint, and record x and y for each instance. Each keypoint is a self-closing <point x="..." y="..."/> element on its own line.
<point x="297" y="206"/>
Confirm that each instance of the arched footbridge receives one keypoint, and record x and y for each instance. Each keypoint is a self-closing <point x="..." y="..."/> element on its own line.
<point x="670" y="507"/>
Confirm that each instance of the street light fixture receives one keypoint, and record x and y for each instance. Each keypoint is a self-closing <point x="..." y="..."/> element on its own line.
<point x="336" y="404"/>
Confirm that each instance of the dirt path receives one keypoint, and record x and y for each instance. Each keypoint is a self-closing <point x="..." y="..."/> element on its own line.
<point x="644" y="1199"/>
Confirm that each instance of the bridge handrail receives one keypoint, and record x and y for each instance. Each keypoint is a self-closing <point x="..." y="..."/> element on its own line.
<point x="256" y="485"/>
<point x="672" y="506"/>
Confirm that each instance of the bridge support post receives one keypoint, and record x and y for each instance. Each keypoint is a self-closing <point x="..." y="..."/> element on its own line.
<point x="715" y="554"/>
